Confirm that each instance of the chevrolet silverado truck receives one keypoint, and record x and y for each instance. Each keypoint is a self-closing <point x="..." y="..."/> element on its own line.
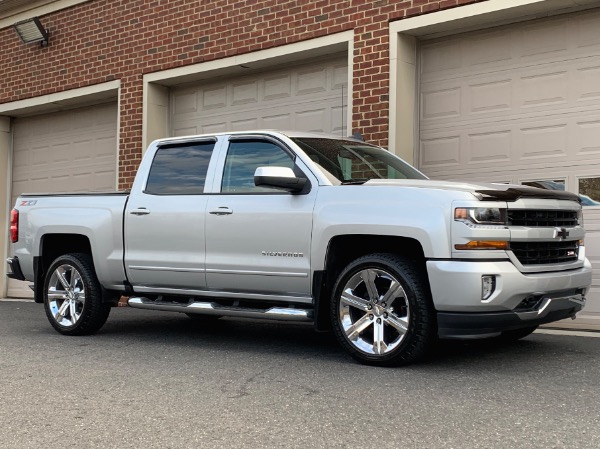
<point x="306" y="227"/>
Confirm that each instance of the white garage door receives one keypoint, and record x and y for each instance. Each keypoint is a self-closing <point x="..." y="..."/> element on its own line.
<point x="515" y="104"/>
<point x="306" y="97"/>
<point x="68" y="151"/>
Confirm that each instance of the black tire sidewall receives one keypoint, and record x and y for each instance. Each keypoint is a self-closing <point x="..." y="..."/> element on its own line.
<point x="94" y="312"/>
<point x="420" y="331"/>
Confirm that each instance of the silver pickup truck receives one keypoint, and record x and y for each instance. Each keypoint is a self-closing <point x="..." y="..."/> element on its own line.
<point x="307" y="227"/>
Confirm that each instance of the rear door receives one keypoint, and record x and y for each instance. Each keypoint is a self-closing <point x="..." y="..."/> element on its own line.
<point x="164" y="220"/>
<point x="258" y="239"/>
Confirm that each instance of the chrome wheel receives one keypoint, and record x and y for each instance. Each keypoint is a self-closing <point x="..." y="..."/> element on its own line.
<point x="374" y="311"/>
<point x="66" y="295"/>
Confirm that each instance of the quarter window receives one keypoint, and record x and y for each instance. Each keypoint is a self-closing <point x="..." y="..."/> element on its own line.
<point x="244" y="157"/>
<point x="589" y="191"/>
<point x="180" y="169"/>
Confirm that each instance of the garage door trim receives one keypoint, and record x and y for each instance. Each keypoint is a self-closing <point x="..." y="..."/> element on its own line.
<point x="155" y="121"/>
<point x="404" y="37"/>
<point x="85" y="96"/>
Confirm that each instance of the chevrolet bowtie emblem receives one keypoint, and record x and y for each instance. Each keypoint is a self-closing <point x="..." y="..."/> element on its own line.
<point x="561" y="233"/>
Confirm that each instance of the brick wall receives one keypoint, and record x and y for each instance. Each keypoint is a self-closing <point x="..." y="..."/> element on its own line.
<point x="103" y="40"/>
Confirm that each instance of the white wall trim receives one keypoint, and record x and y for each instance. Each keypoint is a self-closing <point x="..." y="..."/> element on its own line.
<point x="35" y="9"/>
<point x="332" y="43"/>
<point x="5" y="199"/>
<point x="450" y="21"/>
<point x="57" y="100"/>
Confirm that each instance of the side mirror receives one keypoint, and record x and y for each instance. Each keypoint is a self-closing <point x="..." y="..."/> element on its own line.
<point x="282" y="178"/>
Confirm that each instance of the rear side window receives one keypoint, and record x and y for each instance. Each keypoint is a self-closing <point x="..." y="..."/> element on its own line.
<point x="180" y="169"/>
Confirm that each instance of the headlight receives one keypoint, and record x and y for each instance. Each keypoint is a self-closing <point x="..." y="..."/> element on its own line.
<point x="480" y="215"/>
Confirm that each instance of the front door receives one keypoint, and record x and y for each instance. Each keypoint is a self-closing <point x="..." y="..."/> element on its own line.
<point x="258" y="239"/>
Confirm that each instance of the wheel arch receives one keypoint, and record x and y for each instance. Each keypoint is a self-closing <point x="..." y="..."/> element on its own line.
<point x="343" y="249"/>
<point x="51" y="247"/>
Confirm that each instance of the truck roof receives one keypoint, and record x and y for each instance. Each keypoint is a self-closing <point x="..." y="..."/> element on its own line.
<point x="262" y="132"/>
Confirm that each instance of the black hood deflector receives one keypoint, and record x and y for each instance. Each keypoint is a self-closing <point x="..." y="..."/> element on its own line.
<point x="513" y="193"/>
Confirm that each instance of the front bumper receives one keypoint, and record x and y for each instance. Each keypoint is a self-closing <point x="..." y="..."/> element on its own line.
<point x="519" y="300"/>
<point x="456" y="285"/>
<point x="484" y="325"/>
<point x="14" y="269"/>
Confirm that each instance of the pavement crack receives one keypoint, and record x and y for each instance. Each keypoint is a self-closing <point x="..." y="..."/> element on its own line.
<point x="241" y="390"/>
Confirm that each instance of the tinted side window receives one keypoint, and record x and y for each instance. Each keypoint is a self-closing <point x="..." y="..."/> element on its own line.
<point x="243" y="158"/>
<point x="180" y="169"/>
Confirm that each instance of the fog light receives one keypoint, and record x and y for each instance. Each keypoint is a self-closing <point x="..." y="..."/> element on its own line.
<point x="488" y="285"/>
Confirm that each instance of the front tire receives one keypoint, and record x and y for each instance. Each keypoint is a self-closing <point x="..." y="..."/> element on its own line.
<point x="381" y="310"/>
<point x="73" y="296"/>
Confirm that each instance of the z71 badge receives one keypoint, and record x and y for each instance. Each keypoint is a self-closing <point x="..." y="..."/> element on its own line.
<point x="28" y="203"/>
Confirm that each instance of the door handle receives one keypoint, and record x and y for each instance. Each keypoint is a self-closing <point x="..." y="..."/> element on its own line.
<point x="140" y="211"/>
<point x="221" y="211"/>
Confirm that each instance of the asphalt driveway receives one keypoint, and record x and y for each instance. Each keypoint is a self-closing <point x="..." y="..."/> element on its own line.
<point x="159" y="380"/>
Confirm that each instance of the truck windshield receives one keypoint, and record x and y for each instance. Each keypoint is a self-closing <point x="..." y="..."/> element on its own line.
<point x="353" y="162"/>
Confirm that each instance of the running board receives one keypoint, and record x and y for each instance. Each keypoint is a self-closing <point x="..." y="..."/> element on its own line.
<point x="211" y="308"/>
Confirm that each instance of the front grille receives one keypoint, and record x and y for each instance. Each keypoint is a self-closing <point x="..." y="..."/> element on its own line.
<point x="537" y="253"/>
<point x="539" y="218"/>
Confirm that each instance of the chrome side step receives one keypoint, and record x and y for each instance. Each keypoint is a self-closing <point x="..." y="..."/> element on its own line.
<point x="211" y="308"/>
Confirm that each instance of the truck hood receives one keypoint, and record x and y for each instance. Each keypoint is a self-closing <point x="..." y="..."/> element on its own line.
<point x="483" y="191"/>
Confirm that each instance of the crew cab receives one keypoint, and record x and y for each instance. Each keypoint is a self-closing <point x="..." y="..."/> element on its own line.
<point x="308" y="227"/>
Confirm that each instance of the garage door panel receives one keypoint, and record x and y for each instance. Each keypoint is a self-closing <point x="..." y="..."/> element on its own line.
<point x="541" y="38"/>
<point x="440" y="151"/>
<point x="490" y="96"/>
<point x="243" y="124"/>
<point x="279" y="121"/>
<point x="192" y="130"/>
<point x="443" y="103"/>
<point x="68" y="151"/>
<point x="543" y="88"/>
<point x="490" y="47"/>
<point x="338" y="121"/>
<point x="308" y="97"/>
<point x="184" y="101"/>
<point x="587" y="140"/>
<point x="339" y="78"/>
<point x="277" y="87"/>
<point x="310" y="81"/>
<point x="587" y="35"/>
<point x="243" y="93"/>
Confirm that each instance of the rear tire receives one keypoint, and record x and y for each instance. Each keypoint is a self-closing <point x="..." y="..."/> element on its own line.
<point x="381" y="310"/>
<point x="73" y="296"/>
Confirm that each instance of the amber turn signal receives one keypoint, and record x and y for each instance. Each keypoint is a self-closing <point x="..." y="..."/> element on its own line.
<point x="482" y="244"/>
